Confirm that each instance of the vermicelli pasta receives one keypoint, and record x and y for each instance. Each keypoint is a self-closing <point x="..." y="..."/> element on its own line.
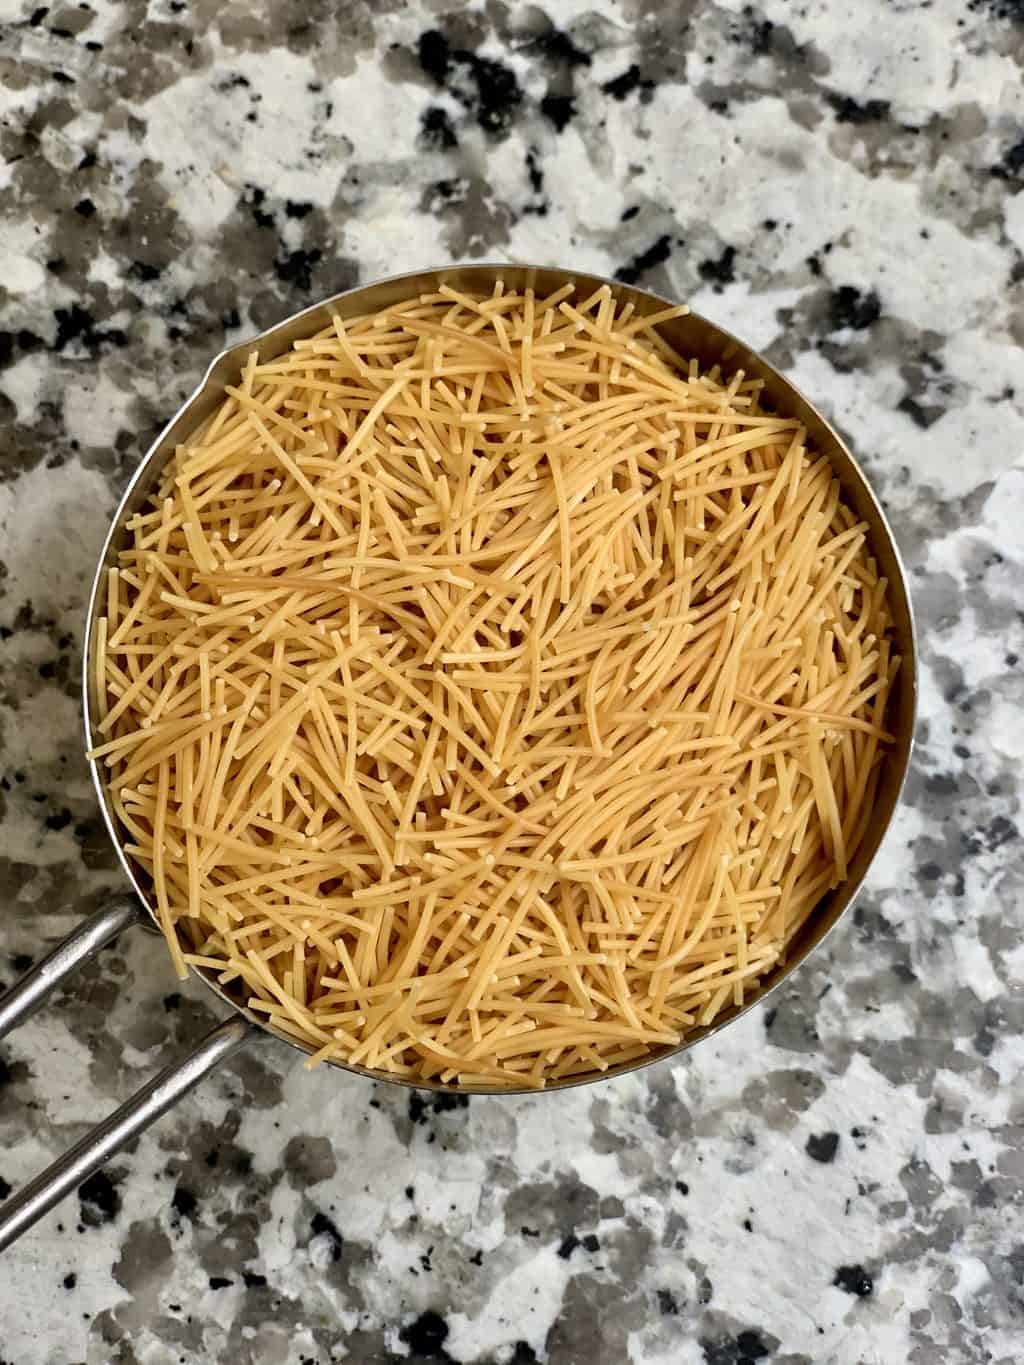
<point x="488" y="694"/>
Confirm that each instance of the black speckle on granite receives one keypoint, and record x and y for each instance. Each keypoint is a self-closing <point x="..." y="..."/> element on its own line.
<point x="559" y="110"/>
<point x="263" y="218"/>
<point x="655" y="254"/>
<point x="99" y="1199"/>
<point x="822" y="1147"/>
<point x="5" y="1188"/>
<point x="999" y="831"/>
<point x="296" y="268"/>
<point x="425" y="1337"/>
<point x="1011" y="165"/>
<point x="921" y="415"/>
<point x="630" y="79"/>
<point x="443" y="1102"/>
<point x="854" y="1279"/>
<point x="232" y="81"/>
<point x="498" y="93"/>
<point x="999" y="9"/>
<point x="77" y="325"/>
<point x="437" y="131"/>
<point x="850" y="308"/>
<point x="183" y="1202"/>
<point x="668" y="1304"/>
<point x="146" y="272"/>
<point x="848" y="110"/>
<point x="743" y="1349"/>
<point x="534" y="172"/>
<point x="719" y="271"/>
<point x="434" y="55"/>
<point x="322" y="1226"/>
<point x="220" y="1282"/>
<point x="761" y="36"/>
<point x="569" y="1244"/>
<point x="26" y="342"/>
<point x="558" y="47"/>
<point x="488" y="88"/>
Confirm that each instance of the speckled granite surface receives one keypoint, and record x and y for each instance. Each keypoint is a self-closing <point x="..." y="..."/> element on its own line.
<point x="837" y="1179"/>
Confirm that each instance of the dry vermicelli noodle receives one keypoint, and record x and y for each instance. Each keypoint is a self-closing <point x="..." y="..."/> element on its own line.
<point x="487" y="694"/>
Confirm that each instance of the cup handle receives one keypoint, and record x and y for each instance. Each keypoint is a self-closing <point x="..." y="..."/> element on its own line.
<point x="83" y="943"/>
<point x="41" y="1193"/>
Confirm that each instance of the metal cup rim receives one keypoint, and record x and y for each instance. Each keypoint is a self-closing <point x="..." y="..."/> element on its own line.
<point x="710" y="344"/>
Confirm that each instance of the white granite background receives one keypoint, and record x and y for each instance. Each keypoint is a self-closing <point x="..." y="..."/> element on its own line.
<point x="836" y="1180"/>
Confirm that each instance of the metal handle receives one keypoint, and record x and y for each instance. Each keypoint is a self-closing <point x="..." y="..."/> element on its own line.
<point x="79" y="946"/>
<point x="97" y="1147"/>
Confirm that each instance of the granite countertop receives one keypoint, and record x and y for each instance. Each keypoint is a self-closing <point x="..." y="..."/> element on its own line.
<point x="837" y="1178"/>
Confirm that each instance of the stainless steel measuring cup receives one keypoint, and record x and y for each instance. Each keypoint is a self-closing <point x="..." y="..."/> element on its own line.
<point x="691" y="336"/>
